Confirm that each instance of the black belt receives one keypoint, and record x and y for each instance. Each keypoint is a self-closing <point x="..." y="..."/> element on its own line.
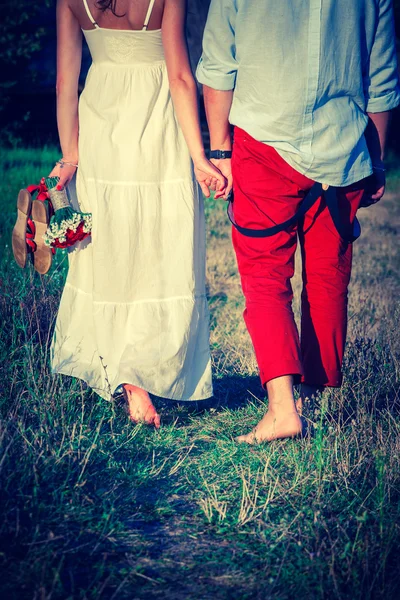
<point x="348" y="233"/>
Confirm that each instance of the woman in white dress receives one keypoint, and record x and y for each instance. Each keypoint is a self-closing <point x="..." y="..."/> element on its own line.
<point x="134" y="310"/>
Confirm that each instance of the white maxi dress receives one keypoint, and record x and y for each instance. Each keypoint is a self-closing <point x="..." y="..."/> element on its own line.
<point x="134" y="307"/>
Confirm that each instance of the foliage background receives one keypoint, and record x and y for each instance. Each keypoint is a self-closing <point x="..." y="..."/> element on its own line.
<point x="27" y="68"/>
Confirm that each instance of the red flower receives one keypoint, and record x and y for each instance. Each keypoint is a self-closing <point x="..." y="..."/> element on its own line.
<point x="72" y="237"/>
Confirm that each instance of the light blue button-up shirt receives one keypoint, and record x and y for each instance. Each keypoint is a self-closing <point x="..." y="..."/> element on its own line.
<point x="305" y="74"/>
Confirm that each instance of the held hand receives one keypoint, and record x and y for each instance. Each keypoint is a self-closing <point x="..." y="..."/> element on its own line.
<point x="209" y="177"/>
<point x="65" y="173"/>
<point x="224" y="165"/>
<point x="374" y="189"/>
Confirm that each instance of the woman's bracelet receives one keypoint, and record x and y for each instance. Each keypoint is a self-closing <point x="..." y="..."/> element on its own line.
<point x="63" y="162"/>
<point x="374" y="168"/>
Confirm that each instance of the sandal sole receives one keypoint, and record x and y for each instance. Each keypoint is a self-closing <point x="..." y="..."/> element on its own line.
<point x="43" y="255"/>
<point x="19" y="246"/>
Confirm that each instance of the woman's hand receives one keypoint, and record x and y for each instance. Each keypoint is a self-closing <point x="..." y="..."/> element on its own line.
<point x="65" y="173"/>
<point x="209" y="177"/>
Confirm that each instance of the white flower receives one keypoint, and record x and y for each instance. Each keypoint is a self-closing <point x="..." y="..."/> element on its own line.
<point x="58" y="231"/>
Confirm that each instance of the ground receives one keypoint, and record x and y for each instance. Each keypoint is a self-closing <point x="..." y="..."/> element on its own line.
<point x="95" y="508"/>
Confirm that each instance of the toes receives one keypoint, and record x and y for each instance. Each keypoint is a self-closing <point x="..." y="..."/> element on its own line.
<point x="250" y="439"/>
<point x="152" y="418"/>
<point x="240" y="439"/>
<point x="134" y="418"/>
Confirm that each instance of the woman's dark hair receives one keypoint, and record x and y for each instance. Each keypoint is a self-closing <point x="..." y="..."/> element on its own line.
<point x="108" y="5"/>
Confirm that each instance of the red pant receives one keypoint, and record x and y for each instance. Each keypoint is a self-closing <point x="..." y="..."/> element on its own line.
<point x="268" y="191"/>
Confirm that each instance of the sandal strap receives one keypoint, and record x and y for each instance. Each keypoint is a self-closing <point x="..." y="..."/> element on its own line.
<point x="31" y="225"/>
<point x="30" y="229"/>
<point x="31" y="245"/>
<point x="41" y="190"/>
<point x="30" y="234"/>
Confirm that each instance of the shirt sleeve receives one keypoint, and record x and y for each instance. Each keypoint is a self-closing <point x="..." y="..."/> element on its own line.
<point x="217" y="66"/>
<point x="382" y="80"/>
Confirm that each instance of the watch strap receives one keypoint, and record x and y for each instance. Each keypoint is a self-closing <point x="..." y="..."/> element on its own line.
<point x="220" y="154"/>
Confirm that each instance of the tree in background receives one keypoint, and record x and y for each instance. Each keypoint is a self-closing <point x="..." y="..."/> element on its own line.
<point x="197" y="16"/>
<point x="21" y="37"/>
<point x="22" y="34"/>
<point x="27" y="59"/>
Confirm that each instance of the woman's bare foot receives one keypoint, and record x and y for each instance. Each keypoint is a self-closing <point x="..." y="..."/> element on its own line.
<point x="273" y="427"/>
<point x="140" y="407"/>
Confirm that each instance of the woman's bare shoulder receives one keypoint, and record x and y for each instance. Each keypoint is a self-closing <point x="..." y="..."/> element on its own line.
<point x="77" y="8"/>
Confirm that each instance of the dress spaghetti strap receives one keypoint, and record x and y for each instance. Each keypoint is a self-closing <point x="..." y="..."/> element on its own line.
<point x="148" y="16"/>
<point x="89" y="14"/>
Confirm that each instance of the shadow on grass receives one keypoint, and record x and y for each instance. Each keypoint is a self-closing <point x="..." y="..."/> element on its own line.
<point x="127" y="529"/>
<point x="230" y="392"/>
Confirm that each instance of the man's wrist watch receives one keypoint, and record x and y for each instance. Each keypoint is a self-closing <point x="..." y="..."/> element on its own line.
<point x="220" y="154"/>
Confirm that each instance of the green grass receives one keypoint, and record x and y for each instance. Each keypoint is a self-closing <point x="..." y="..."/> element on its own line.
<point x="95" y="508"/>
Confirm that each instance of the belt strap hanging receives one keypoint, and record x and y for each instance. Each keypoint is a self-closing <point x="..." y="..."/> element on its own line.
<point x="348" y="233"/>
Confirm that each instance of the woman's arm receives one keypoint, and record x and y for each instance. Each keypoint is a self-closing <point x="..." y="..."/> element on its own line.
<point x="184" y="93"/>
<point x="69" y="58"/>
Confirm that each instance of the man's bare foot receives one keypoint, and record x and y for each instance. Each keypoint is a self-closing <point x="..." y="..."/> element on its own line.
<point x="140" y="407"/>
<point x="274" y="427"/>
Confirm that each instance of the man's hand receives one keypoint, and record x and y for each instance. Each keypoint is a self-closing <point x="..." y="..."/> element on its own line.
<point x="375" y="188"/>
<point x="224" y="165"/>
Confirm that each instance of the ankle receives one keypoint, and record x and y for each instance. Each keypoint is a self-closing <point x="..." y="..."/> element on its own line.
<point x="279" y="411"/>
<point x="128" y="387"/>
<point x="280" y="392"/>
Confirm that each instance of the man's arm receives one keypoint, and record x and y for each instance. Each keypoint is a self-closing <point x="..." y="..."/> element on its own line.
<point x="381" y="82"/>
<point x="376" y="135"/>
<point x="217" y="72"/>
<point x="382" y="94"/>
<point x="218" y="106"/>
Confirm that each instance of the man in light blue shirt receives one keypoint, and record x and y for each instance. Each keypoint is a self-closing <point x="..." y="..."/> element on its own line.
<point x="309" y="86"/>
<point x="305" y="75"/>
